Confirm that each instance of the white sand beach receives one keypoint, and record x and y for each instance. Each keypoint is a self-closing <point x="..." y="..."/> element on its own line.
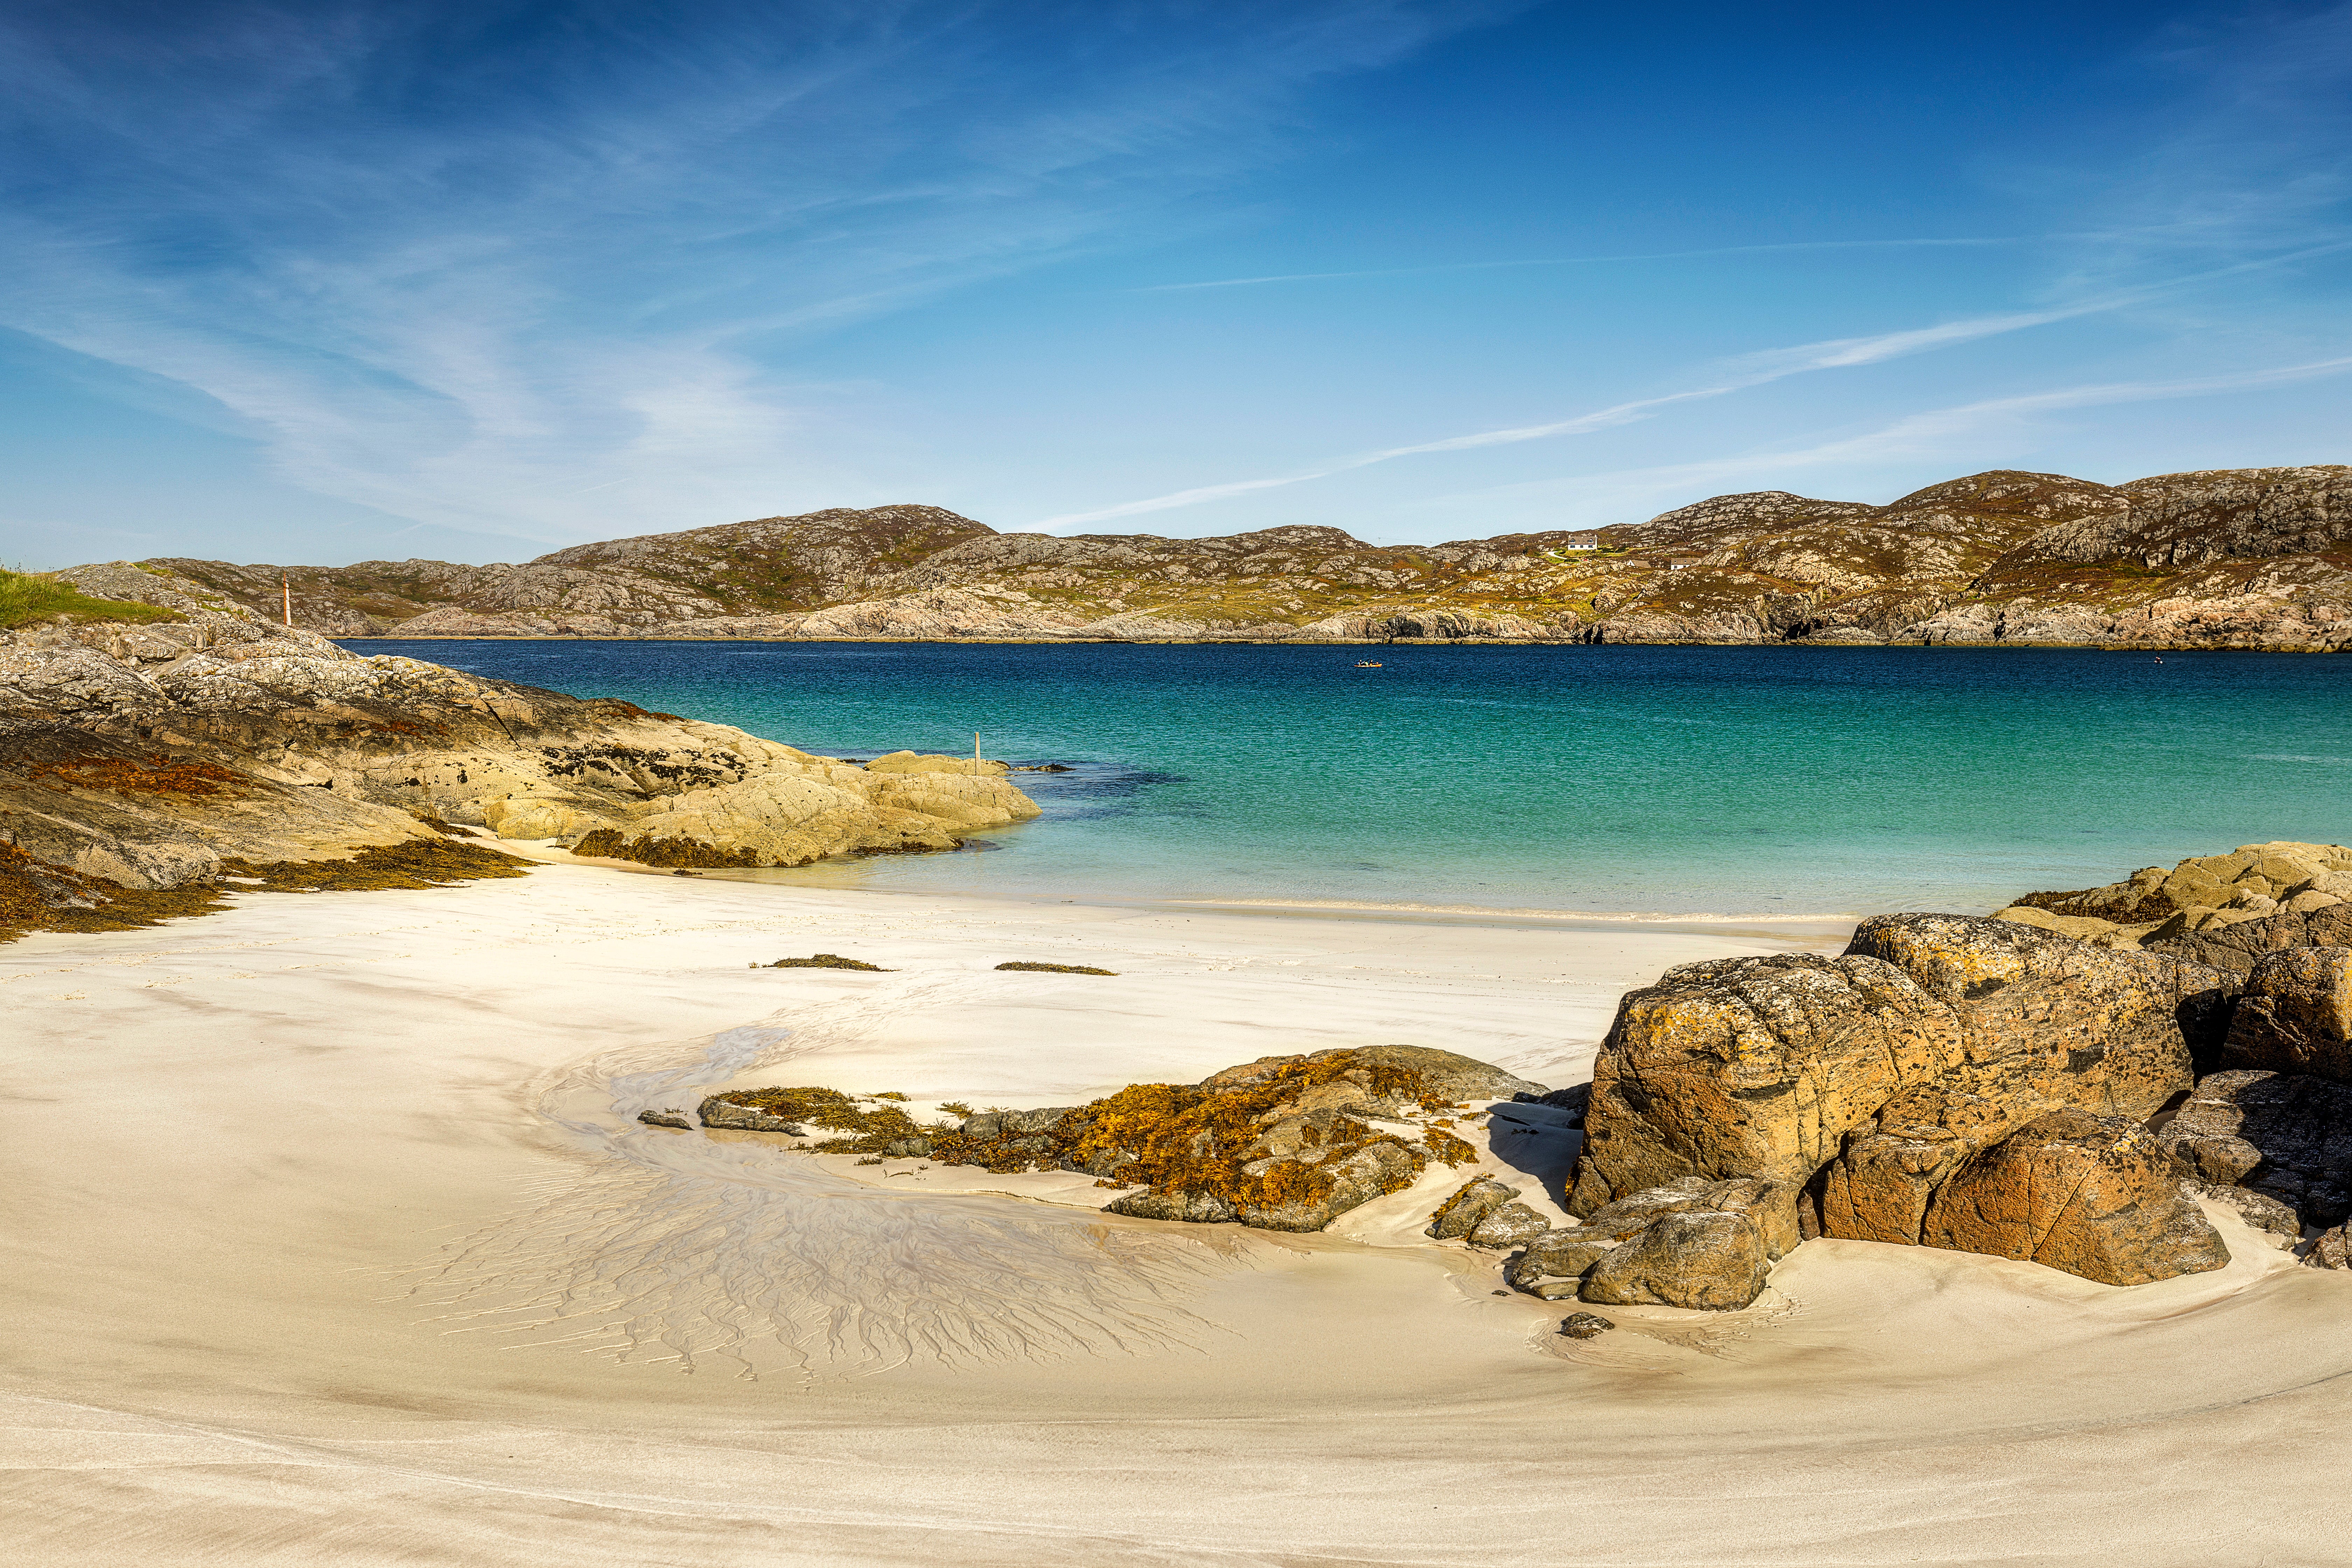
<point x="331" y="1238"/>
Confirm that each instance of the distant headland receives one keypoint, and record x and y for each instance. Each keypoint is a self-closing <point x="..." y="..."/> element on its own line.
<point x="2229" y="558"/>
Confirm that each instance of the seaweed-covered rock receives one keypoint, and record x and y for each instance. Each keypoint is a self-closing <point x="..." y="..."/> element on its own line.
<point x="1761" y="1067"/>
<point x="1473" y="1201"/>
<point x="1509" y="1225"/>
<point x="718" y="1112"/>
<point x="2093" y="1196"/>
<point x="1700" y="1258"/>
<point x="2288" y="1135"/>
<point x="1394" y="1078"/>
<point x="2295" y="1014"/>
<point x="1198" y="1208"/>
<point x="1284" y="1144"/>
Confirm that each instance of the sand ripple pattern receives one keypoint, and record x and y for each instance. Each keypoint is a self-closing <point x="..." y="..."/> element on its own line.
<point x="697" y="1252"/>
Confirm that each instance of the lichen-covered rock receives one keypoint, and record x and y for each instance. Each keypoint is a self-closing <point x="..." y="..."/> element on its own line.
<point x="1508" y="1227"/>
<point x="1761" y="1067"/>
<point x="2234" y="947"/>
<point x="1699" y="1258"/>
<point x="2093" y="1196"/>
<point x="2333" y="1249"/>
<point x="2285" y="1134"/>
<point x="2296" y="1015"/>
<point x="1476" y="1198"/>
<point x="1282" y="1143"/>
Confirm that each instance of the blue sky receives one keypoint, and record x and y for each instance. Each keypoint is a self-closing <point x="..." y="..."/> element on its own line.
<point x="321" y="283"/>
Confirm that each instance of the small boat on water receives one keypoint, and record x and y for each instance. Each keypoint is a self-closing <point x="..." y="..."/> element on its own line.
<point x="1369" y="664"/>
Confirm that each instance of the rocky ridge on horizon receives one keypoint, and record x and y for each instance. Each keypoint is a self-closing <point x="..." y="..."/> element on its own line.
<point x="2257" y="558"/>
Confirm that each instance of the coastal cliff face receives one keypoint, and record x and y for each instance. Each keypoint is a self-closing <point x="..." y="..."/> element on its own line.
<point x="2257" y="558"/>
<point x="146" y="755"/>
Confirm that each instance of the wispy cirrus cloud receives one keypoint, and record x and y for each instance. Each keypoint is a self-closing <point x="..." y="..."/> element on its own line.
<point x="470" y="264"/>
<point x="1739" y="374"/>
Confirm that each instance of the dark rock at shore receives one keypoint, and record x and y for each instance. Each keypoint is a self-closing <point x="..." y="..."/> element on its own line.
<point x="2288" y="1135"/>
<point x="1585" y="1325"/>
<point x="2296" y="1015"/>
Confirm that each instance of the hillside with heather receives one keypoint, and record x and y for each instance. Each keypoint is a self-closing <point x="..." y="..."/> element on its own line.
<point x="2221" y="558"/>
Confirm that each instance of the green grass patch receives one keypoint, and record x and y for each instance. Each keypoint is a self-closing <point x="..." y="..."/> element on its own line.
<point x="28" y="597"/>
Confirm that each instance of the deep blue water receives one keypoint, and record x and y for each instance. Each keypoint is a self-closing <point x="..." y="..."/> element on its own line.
<point x="1732" y="780"/>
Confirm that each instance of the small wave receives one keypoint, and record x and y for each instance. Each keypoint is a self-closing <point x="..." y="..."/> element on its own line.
<point x="2291" y="757"/>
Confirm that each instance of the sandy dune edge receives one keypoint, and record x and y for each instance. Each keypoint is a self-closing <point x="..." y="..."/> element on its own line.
<point x="327" y="1225"/>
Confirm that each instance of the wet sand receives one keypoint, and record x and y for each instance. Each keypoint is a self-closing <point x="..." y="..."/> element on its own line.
<point x="330" y="1239"/>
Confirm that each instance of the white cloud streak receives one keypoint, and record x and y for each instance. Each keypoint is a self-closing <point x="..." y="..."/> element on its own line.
<point x="1736" y="375"/>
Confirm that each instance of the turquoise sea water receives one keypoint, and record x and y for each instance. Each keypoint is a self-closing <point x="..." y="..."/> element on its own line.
<point x="1780" y="781"/>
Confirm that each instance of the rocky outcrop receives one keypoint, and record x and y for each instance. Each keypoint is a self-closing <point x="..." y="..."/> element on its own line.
<point x="1703" y="1259"/>
<point x="1761" y="1067"/>
<point x="2232" y="558"/>
<point x="2282" y="890"/>
<point x="1874" y="1081"/>
<point x="2090" y="1196"/>
<point x="148" y="754"/>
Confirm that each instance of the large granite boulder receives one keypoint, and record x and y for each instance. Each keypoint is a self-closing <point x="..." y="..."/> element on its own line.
<point x="2295" y="1014"/>
<point x="1509" y="1225"/>
<point x="2288" y="1135"/>
<point x="1761" y="1067"/>
<point x="2093" y="1196"/>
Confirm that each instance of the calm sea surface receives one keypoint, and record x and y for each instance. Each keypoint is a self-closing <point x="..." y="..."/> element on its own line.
<point x="1733" y="781"/>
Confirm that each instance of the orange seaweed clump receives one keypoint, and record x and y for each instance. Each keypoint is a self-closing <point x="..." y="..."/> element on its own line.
<point x="36" y="894"/>
<point x="611" y="844"/>
<point x="157" y="775"/>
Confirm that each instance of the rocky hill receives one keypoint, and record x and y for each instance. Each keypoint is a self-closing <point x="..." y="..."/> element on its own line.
<point x="2224" y="558"/>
